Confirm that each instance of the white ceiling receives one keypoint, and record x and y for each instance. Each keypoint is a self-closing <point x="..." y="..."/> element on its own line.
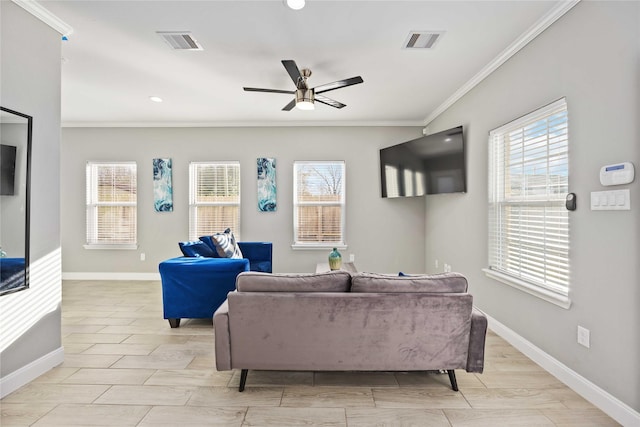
<point x="114" y="60"/>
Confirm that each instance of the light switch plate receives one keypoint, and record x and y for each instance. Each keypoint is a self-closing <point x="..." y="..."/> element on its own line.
<point x="615" y="200"/>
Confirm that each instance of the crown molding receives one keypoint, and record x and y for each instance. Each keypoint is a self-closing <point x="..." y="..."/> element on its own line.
<point x="39" y="11"/>
<point x="232" y="124"/>
<point x="536" y="29"/>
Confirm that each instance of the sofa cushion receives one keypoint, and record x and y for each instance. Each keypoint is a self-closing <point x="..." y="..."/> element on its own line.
<point x="196" y="249"/>
<point x="225" y="245"/>
<point x="331" y="281"/>
<point x="439" y="283"/>
<point x="262" y="266"/>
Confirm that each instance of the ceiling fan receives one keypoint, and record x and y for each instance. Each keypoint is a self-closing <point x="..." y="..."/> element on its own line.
<point x="304" y="96"/>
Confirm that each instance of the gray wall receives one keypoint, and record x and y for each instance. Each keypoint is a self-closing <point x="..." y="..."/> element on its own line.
<point x="385" y="235"/>
<point x="30" y="83"/>
<point x="591" y="56"/>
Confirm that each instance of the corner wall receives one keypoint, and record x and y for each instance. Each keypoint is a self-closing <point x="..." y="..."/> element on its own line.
<point x="30" y="340"/>
<point x="385" y="235"/>
<point x="591" y="56"/>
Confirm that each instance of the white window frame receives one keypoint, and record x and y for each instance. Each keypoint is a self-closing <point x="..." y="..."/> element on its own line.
<point x="341" y="244"/>
<point x="92" y="205"/>
<point x="544" y="270"/>
<point x="194" y="204"/>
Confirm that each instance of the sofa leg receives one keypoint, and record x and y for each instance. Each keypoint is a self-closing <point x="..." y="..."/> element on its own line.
<point x="243" y="379"/>
<point x="452" y="378"/>
<point x="174" y="323"/>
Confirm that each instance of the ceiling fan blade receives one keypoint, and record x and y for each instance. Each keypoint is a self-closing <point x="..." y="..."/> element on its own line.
<point x="290" y="105"/>
<point x="294" y="73"/>
<point x="328" y="101"/>
<point x="338" y="84"/>
<point x="257" y="89"/>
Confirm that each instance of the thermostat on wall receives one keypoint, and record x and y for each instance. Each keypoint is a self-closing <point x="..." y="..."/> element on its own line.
<point x="618" y="174"/>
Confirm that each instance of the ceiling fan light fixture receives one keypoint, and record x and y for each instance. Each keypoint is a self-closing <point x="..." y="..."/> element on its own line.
<point x="305" y="105"/>
<point x="304" y="99"/>
<point x="295" y="4"/>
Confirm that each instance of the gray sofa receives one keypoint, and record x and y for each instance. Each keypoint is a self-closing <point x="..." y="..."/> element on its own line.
<point x="337" y="321"/>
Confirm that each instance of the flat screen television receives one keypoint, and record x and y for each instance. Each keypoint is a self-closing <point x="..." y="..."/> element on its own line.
<point x="7" y="169"/>
<point x="432" y="164"/>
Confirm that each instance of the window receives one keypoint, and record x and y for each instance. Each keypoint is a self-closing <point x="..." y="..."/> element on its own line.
<point x="528" y="221"/>
<point x="111" y="205"/>
<point x="214" y="198"/>
<point x="318" y="204"/>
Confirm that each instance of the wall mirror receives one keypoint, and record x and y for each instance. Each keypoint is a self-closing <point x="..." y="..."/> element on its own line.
<point x="15" y="161"/>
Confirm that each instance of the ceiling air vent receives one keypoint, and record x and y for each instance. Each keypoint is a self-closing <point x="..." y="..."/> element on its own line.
<point x="179" y="40"/>
<point x="422" y="39"/>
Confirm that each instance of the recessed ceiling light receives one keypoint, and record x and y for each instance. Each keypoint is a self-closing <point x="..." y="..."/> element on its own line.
<point x="295" y="4"/>
<point x="155" y="98"/>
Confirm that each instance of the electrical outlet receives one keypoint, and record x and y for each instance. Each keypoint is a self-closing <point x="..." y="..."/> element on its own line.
<point x="584" y="336"/>
<point x="437" y="263"/>
<point x="447" y="268"/>
<point x="352" y="257"/>
<point x="142" y="256"/>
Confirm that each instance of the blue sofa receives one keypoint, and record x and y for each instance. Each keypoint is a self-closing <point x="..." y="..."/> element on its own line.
<point x="195" y="286"/>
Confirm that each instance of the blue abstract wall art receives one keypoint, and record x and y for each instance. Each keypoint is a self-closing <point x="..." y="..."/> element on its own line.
<point x="266" y="184"/>
<point x="162" y="187"/>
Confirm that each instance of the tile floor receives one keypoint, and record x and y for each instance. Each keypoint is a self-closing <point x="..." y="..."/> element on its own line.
<point x="124" y="366"/>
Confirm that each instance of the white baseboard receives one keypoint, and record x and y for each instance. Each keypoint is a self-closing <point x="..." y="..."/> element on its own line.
<point x="110" y="276"/>
<point x="609" y="404"/>
<point x="30" y="372"/>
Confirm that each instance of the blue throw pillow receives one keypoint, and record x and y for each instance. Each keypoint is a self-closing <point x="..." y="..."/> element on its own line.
<point x="209" y="242"/>
<point x="196" y="249"/>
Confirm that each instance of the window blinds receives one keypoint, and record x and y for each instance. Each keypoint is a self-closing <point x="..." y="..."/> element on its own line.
<point x="214" y="198"/>
<point x="528" y="183"/>
<point x="111" y="203"/>
<point x="319" y="201"/>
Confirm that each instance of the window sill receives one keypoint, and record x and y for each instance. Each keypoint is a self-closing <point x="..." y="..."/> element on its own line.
<point x="119" y="246"/>
<point x="544" y="294"/>
<point x="317" y="246"/>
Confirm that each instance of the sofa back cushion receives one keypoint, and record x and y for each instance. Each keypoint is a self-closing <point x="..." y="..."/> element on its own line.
<point x="258" y="254"/>
<point x="196" y="249"/>
<point x="333" y="281"/>
<point x="436" y="283"/>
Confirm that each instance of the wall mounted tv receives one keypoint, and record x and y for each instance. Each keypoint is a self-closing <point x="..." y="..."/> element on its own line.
<point x="432" y="164"/>
<point x="7" y="169"/>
